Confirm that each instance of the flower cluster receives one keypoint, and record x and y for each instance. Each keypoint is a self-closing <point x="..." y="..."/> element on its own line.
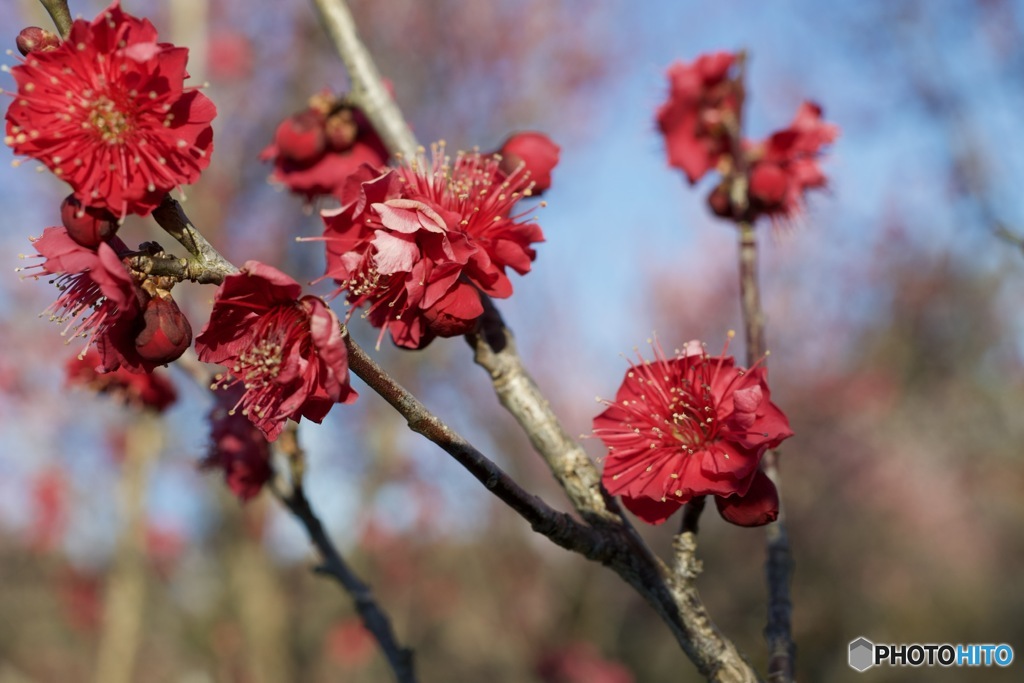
<point x="784" y="166"/>
<point x="107" y="111"/>
<point x="132" y="320"/>
<point x="286" y="350"/>
<point x="701" y="124"/>
<point x="418" y="243"/>
<point x="316" y="150"/>
<point x="688" y="426"/>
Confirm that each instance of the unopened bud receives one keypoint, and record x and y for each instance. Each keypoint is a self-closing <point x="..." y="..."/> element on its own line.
<point x="87" y="225"/>
<point x="759" y="506"/>
<point x="719" y="201"/>
<point x="166" y="332"/>
<point x="35" y="39"/>
<point x="300" y="138"/>
<point x="536" y="151"/>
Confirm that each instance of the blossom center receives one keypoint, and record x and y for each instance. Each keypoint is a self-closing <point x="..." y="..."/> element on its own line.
<point x="260" y="364"/>
<point x="693" y="418"/>
<point x="276" y="335"/>
<point x="108" y="121"/>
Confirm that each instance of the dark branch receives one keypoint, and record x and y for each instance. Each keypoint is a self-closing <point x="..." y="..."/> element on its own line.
<point x="334" y="566"/>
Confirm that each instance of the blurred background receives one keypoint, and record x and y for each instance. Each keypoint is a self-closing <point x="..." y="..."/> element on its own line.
<point x="894" y="320"/>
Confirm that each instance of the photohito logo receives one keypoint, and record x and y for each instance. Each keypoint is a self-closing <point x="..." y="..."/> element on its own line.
<point x="864" y="654"/>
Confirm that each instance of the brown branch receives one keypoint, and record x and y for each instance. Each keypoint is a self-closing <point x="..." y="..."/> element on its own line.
<point x="206" y="265"/>
<point x="779" y="563"/>
<point x="334" y="565"/>
<point x="61" y="15"/>
<point x="557" y="526"/>
<point x="750" y="295"/>
<point x="495" y="351"/>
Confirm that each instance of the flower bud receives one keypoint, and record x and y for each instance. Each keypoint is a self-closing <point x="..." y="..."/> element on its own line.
<point x="87" y="225"/>
<point x="759" y="506"/>
<point x="300" y="138"/>
<point x="719" y="201"/>
<point x="536" y="151"/>
<point x="166" y="332"/>
<point x="35" y="39"/>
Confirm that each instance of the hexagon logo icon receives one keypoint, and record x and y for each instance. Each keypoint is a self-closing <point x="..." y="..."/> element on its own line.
<point x="862" y="654"/>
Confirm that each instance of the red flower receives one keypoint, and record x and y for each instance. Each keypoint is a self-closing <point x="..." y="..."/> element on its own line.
<point x="138" y="389"/>
<point x="237" y="446"/>
<point x="107" y="111"/>
<point x="688" y="426"/>
<point x="315" y="151"/>
<point x="537" y="152"/>
<point x="287" y="351"/>
<point x="101" y="301"/>
<point x="700" y="118"/>
<point x="417" y="242"/>
<point x="786" y="164"/>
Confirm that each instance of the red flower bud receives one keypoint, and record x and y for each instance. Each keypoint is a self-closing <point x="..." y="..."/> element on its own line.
<point x="719" y="201"/>
<point x="166" y="332"/>
<point x="537" y="151"/>
<point x="87" y="225"/>
<point x="35" y="39"/>
<point x="759" y="506"/>
<point x="300" y="138"/>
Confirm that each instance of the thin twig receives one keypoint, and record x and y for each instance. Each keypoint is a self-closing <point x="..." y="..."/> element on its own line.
<point x="334" y="565"/>
<point x="779" y="562"/>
